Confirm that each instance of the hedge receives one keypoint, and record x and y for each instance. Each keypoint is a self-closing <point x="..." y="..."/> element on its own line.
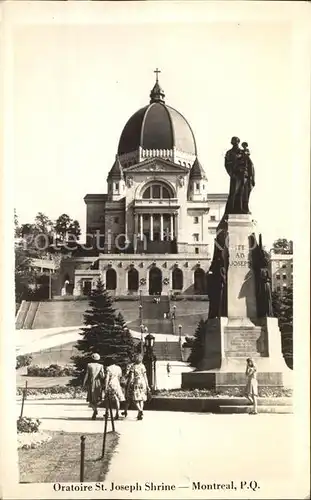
<point x="50" y="371"/>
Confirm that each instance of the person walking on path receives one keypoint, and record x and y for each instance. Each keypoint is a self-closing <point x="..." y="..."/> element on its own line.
<point x="168" y="369"/>
<point x="93" y="383"/>
<point x="138" y="385"/>
<point x="127" y="391"/>
<point x="252" y="384"/>
<point x="113" y="388"/>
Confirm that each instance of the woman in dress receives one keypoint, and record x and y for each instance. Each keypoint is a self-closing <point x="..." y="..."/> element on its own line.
<point x="113" y="386"/>
<point x="138" y="385"/>
<point x="92" y="382"/>
<point x="251" y="385"/>
<point x="127" y="388"/>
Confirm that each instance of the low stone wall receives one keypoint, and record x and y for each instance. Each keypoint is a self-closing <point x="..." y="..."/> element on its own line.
<point x="211" y="404"/>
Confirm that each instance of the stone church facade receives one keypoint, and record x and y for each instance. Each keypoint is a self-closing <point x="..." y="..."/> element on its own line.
<point x="153" y="232"/>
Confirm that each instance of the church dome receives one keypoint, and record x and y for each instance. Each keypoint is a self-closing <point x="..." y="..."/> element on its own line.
<point x="157" y="126"/>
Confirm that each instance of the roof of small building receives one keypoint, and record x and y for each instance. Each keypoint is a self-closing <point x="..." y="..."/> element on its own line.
<point x="197" y="171"/>
<point x="116" y="171"/>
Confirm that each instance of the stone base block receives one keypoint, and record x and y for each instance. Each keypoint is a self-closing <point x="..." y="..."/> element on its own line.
<point x="221" y="380"/>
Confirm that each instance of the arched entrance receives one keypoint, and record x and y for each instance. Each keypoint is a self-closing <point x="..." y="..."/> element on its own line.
<point x="177" y="279"/>
<point x="155" y="281"/>
<point x="132" y="280"/>
<point x="199" y="281"/>
<point x="111" y="279"/>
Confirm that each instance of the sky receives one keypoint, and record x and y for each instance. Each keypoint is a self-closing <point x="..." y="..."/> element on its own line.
<point x="75" y="87"/>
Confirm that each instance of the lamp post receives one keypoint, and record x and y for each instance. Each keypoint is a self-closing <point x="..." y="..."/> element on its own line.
<point x="179" y="341"/>
<point x="150" y="360"/>
<point x="179" y="332"/>
<point x="50" y="285"/>
<point x="174" y="312"/>
<point x="142" y="328"/>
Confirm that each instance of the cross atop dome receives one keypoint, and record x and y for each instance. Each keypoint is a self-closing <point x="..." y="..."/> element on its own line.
<point x="157" y="71"/>
<point x="157" y="94"/>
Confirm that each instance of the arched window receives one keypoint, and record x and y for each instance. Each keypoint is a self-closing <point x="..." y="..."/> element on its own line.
<point x="155" y="281"/>
<point x="157" y="191"/>
<point x="178" y="279"/>
<point x="132" y="280"/>
<point x="111" y="279"/>
<point x="199" y="281"/>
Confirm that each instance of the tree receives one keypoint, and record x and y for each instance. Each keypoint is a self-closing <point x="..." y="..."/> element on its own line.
<point x="65" y="226"/>
<point x="286" y="325"/>
<point x="17" y="229"/>
<point x="75" y="229"/>
<point x="24" y="275"/>
<point x="276" y="304"/>
<point x="283" y="310"/>
<point x="105" y="332"/>
<point x="62" y="225"/>
<point x="43" y="223"/>
<point x="283" y="246"/>
<point x="198" y="345"/>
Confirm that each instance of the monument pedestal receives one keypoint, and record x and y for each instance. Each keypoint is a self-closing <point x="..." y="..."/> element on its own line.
<point x="229" y="341"/>
<point x="226" y="351"/>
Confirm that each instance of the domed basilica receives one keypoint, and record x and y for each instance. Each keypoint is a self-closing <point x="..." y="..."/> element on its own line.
<point x="153" y="232"/>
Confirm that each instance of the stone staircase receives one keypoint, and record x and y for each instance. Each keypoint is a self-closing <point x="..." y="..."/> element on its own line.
<point x="168" y="351"/>
<point x="153" y="310"/>
<point x="26" y="315"/>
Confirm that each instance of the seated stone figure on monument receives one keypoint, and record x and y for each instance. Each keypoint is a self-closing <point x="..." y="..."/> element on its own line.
<point x="217" y="287"/>
<point x="260" y="265"/>
<point x="240" y="168"/>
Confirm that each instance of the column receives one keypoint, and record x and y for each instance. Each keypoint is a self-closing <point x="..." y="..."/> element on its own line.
<point x="141" y="227"/>
<point x="151" y="227"/>
<point x="176" y="226"/>
<point x="135" y="235"/>
<point x="172" y="226"/>
<point x="161" y="227"/>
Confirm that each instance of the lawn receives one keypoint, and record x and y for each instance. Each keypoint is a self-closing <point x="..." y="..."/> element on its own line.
<point x="59" y="459"/>
<point x="41" y="382"/>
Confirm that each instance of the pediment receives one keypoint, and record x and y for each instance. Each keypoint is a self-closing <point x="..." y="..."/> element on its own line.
<point x="157" y="165"/>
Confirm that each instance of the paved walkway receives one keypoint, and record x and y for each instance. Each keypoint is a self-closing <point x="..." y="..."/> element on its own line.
<point x="182" y="448"/>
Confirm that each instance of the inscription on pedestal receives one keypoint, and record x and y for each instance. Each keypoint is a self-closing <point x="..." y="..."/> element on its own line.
<point x="241" y="343"/>
<point x="239" y="257"/>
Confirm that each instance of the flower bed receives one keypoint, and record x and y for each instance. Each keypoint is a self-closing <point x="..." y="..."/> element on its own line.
<point x="27" y="425"/>
<point x="26" y="441"/>
<point x="23" y="360"/>
<point x="28" y="434"/>
<point x="50" y="371"/>
<point x="57" y="391"/>
<point x="263" y="392"/>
